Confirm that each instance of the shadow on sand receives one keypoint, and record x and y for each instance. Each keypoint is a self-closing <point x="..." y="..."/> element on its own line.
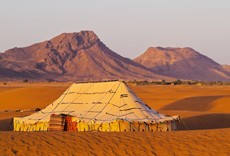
<point x="208" y="121"/>
<point x="6" y="124"/>
<point x="202" y="103"/>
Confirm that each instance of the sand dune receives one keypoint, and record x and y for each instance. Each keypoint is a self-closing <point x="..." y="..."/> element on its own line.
<point x="210" y="143"/>
<point x="200" y="107"/>
<point x="29" y="97"/>
<point x="183" y="97"/>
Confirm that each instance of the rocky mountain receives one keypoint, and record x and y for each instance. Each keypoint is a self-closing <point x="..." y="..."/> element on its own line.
<point x="70" y="56"/>
<point x="182" y="63"/>
<point x="227" y="68"/>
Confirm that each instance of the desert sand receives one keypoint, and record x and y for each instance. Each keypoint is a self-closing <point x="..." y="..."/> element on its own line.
<point x="214" y="142"/>
<point x="205" y="111"/>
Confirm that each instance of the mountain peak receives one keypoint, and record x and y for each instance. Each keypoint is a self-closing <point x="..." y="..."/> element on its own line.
<point x="87" y="35"/>
<point x="74" y="41"/>
<point x="171" y="49"/>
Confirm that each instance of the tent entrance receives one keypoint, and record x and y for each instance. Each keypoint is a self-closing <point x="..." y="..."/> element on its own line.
<point x="62" y="122"/>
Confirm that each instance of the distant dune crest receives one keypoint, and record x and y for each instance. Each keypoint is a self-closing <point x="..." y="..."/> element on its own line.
<point x="82" y="56"/>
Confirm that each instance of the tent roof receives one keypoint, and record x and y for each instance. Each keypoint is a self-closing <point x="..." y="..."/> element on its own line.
<point x="99" y="102"/>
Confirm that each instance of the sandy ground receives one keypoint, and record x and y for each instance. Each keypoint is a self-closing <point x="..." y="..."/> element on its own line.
<point x="200" y="107"/>
<point x="210" y="143"/>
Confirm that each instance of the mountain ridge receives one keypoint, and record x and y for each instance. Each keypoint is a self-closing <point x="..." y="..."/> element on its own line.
<point x="68" y="57"/>
<point x="83" y="56"/>
<point x="182" y="63"/>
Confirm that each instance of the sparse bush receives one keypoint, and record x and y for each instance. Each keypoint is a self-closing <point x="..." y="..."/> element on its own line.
<point x="26" y="80"/>
<point x="177" y="82"/>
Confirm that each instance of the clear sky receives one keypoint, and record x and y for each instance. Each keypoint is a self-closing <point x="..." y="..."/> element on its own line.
<point x="128" y="27"/>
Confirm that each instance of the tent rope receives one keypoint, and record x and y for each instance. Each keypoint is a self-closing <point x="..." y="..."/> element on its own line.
<point x="101" y="100"/>
<point x="109" y="100"/>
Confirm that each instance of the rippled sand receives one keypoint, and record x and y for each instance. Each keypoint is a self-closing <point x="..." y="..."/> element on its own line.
<point x="211" y="142"/>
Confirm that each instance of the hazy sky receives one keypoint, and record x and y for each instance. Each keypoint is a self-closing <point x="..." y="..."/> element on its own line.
<point x="128" y="27"/>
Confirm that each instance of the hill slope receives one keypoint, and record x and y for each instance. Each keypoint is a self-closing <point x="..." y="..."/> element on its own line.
<point x="182" y="63"/>
<point x="226" y="68"/>
<point x="70" y="56"/>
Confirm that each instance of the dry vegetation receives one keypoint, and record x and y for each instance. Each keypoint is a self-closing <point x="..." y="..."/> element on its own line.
<point x="201" y="107"/>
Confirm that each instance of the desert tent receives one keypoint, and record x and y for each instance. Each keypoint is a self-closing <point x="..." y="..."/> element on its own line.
<point x="97" y="106"/>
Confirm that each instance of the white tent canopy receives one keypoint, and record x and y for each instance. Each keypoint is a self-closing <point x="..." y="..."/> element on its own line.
<point x="101" y="101"/>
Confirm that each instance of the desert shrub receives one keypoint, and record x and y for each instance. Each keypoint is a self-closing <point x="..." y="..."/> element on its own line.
<point x="26" y="80"/>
